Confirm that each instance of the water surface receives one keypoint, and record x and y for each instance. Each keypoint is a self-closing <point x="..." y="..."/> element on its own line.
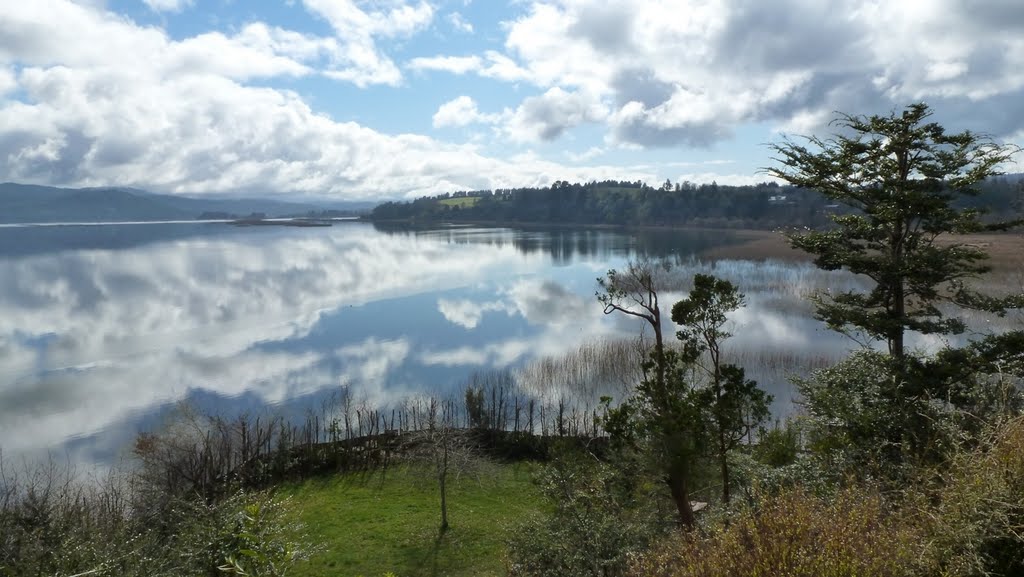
<point x="103" y="329"/>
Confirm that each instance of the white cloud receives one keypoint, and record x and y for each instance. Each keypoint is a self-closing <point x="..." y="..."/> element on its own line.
<point x="690" y="72"/>
<point x="177" y="116"/>
<point x="357" y="30"/>
<point x="89" y="97"/>
<point x="492" y="65"/>
<point x="168" y="5"/>
<point x="452" y="64"/>
<point x="466" y="313"/>
<point x="459" y="23"/>
<point x="8" y="81"/>
<point x="462" y="111"/>
<point x="548" y="116"/>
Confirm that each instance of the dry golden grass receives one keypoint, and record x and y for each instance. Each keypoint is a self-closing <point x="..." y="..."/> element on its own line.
<point x="1006" y="250"/>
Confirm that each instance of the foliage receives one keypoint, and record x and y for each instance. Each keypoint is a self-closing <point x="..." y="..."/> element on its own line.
<point x="798" y="535"/>
<point x="867" y="419"/>
<point x="594" y="526"/>
<point x="902" y="176"/>
<point x="662" y="418"/>
<point x="852" y="416"/>
<point x="778" y="446"/>
<point x="733" y="404"/>
<point x="245" y="534"/>
<point x="52" y="523"/>
<point x="977" y="508"/>
<point x="765" y="205"/>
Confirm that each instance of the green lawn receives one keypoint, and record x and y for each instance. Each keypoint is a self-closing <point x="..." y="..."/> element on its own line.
<point x="460" y="201"/>
<point x="369" y="525"/>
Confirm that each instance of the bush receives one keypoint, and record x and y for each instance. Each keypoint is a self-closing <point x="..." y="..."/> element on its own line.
<point x="977" y="511"/>
<point x="594" y="526"/>
<point x="798" y="535"/>
<point x="245" y="534"/>
<point x="53" y="522"/>
<point x="778" y="446"/>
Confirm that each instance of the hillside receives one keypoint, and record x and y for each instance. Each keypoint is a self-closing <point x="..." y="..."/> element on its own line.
<point x="21" y="203"/>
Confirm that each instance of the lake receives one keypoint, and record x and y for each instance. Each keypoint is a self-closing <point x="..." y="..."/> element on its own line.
<point x="105" y="329"/>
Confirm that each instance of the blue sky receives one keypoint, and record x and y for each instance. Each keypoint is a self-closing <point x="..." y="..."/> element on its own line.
<point x="371" y="99"/>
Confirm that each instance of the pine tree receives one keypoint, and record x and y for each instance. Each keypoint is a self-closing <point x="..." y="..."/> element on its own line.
<point x="902" y="178"/>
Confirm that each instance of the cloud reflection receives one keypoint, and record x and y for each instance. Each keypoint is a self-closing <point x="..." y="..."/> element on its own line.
<point x="90" y="338"/>
<point x="94" y="342"/>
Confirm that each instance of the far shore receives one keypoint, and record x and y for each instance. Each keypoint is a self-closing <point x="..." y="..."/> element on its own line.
<point x="1005" y="250"/>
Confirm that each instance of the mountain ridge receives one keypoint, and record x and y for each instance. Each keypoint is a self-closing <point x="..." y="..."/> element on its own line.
<point x="30" y="203"/>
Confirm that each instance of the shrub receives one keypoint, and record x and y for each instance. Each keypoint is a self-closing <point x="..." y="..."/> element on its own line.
<point x="798" y="535"/>
<point x="593" y="527"/>
<point x="778" y="446"/>
<point x="977" y="512"/>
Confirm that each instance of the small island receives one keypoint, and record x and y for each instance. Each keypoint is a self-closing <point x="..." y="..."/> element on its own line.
<point x="299" y="222"/>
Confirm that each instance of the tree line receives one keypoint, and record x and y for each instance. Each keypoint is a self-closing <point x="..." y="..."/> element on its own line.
<point x="767" y="205"/>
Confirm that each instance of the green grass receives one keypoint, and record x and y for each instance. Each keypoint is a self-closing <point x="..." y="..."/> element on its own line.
<point x="461" y="201"/>
<point x="369" y="525"/>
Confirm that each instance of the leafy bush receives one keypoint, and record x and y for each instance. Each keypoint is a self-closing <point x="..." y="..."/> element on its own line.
<point x="593" y="527"/>
<point x="778" y="446"/>
<point x="245" y="534"/>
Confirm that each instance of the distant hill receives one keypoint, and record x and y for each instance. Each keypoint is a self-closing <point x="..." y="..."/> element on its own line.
<point x="766" y="205"/>
<point x="20" y="203"/>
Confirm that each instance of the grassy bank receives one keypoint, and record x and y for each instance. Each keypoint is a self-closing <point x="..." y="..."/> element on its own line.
<point x="369" y="524"/>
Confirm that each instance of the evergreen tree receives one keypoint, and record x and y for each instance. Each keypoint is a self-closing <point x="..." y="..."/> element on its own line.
<point x="903" y="177"/>
<point x="733" y="403"/>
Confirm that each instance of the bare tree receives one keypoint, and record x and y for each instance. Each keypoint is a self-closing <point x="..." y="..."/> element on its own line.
<point x="634" y="292"/>
<point x="447" y="448"/>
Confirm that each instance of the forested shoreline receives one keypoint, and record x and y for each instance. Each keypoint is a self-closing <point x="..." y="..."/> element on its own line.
<point x="765" y="206"/>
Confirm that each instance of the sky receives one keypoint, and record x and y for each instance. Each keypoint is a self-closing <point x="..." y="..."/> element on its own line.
<point x="378" y="99"/>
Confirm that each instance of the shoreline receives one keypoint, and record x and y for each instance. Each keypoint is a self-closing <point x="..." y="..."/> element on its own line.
<point x="1005" y="250"/>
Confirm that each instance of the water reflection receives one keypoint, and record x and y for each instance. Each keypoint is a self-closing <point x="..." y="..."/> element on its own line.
<point x="98" y="340"/>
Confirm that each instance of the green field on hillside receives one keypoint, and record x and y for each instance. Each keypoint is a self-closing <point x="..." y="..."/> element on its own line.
<point x="368" y="524"/>
<point x="461" y="201"/>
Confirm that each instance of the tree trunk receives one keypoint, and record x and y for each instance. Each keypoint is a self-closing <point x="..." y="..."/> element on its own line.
<point x="681" y="495"/>
<point x="659" y="346"/>
<point x="899" y="313"/>
<point x="723" y="450"/>
<point x="442" y="479"/>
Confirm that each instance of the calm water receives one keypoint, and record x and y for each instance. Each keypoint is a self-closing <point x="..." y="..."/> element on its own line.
<point x="103" y="329"/>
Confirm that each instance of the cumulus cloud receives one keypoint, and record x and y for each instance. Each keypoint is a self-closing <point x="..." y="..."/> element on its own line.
<point x="168" y="5"/>
<point x="462" y="111"/>
<point x="102" y="100"/>
<point x="459" y="22"/>
<point x="493" y="64"/>
<point x="453" y="64"/>
<point x="8" y="81"/>
<point x="357" y="29"/>
<point x="89" y="97"/>
<point x="548" y="116"/>
<point x="690" y="72"/>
